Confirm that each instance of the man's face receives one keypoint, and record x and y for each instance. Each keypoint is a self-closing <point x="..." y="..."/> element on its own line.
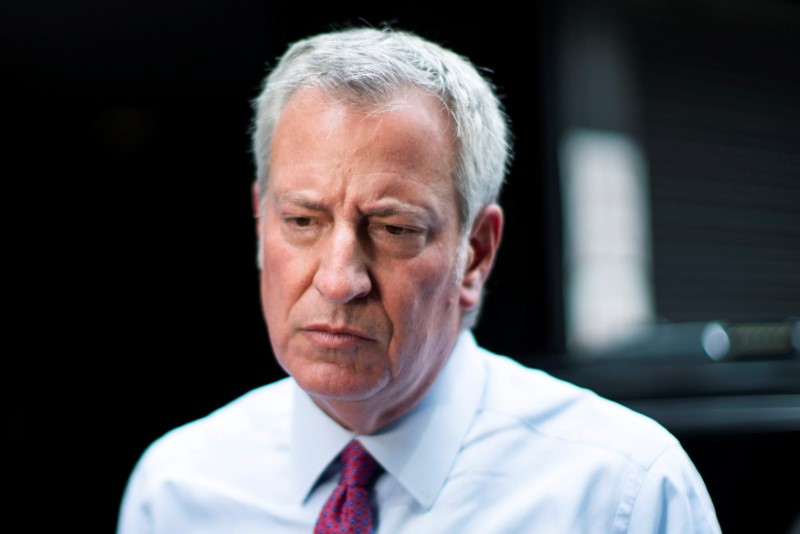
<point x="361" y="273"/>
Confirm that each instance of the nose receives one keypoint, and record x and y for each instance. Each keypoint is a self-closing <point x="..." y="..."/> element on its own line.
<point x="342" y="274"/>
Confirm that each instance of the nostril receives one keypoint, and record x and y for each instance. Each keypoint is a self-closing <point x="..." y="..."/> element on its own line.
<point x="343" y="284"/>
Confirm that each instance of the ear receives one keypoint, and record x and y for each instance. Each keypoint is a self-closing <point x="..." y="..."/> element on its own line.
<point x="256" y="205"/>
<point x="484" y="241"/>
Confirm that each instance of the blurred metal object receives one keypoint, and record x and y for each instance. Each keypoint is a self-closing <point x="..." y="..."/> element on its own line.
<point x="702" y="340"/>
<point x="727" y="341"/>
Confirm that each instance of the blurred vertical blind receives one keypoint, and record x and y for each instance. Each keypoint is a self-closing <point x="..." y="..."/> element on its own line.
<point x="720" y="104"/>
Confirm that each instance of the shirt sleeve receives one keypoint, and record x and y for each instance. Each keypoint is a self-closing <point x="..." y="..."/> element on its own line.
<point x="673" y="499"/>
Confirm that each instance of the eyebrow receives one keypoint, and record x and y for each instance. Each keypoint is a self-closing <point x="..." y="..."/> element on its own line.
<point x="301" y="200"/>
<point x="396" y="208"/>
<point x="399" y="209"/>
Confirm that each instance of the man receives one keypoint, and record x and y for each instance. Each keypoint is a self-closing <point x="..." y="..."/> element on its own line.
<point x="380" y="158"/>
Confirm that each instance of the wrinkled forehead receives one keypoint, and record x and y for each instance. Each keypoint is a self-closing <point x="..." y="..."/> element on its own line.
<point x="416" y="122"/>
<point x="412" y="127"/>
<point x="375" y="106"/>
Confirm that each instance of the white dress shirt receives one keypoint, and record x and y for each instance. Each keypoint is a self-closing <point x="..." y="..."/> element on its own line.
<point x="494" y="447"/>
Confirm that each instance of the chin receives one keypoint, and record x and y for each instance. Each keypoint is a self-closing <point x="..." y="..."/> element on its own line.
<point x="326" y="380"/>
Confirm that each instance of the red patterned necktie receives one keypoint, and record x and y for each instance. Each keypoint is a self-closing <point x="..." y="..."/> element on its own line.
<point x="348" y="510"/>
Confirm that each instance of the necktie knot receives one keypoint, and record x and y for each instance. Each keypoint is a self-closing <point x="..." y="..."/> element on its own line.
<point x="358" y="466"/>
<point x="348" y="509"/>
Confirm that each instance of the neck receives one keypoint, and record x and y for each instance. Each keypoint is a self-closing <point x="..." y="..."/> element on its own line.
<point x="367" y="416"/>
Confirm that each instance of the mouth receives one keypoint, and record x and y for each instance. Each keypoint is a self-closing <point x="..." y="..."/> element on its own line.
<point x="332" y="337"/>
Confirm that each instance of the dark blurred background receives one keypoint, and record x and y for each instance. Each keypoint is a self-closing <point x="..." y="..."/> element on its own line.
<point x="134" y="291"/>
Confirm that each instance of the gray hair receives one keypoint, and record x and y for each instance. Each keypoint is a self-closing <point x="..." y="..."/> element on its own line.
<point x="367" y="66"/>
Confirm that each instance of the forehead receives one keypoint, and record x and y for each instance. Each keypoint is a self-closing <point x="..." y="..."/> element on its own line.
<point x="411" y="135"/>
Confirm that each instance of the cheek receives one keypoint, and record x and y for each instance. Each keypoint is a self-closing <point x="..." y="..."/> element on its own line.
<point x="430" y="322"/>
<point x="284" y="276"/>
<point x="424" y="301"/>
<point x="284" y="264"/>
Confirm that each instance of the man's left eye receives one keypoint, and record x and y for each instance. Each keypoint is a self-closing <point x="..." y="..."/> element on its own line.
<point x="396" y="230"/>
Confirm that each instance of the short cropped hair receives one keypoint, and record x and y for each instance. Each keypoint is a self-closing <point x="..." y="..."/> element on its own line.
<point x="367" y="66"/>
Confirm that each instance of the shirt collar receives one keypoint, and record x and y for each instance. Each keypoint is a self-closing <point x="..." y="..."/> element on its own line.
<point x="418" y="450"/>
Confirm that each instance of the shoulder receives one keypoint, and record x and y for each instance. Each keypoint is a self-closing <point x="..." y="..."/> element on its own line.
<point x="557" y="410"/>
<point x="201" y="458"/>
<point x="261" y="415"/>
<point x="594" y="459"/>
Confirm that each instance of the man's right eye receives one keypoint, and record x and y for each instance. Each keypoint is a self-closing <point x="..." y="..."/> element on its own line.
<point x="299" y="222"/>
